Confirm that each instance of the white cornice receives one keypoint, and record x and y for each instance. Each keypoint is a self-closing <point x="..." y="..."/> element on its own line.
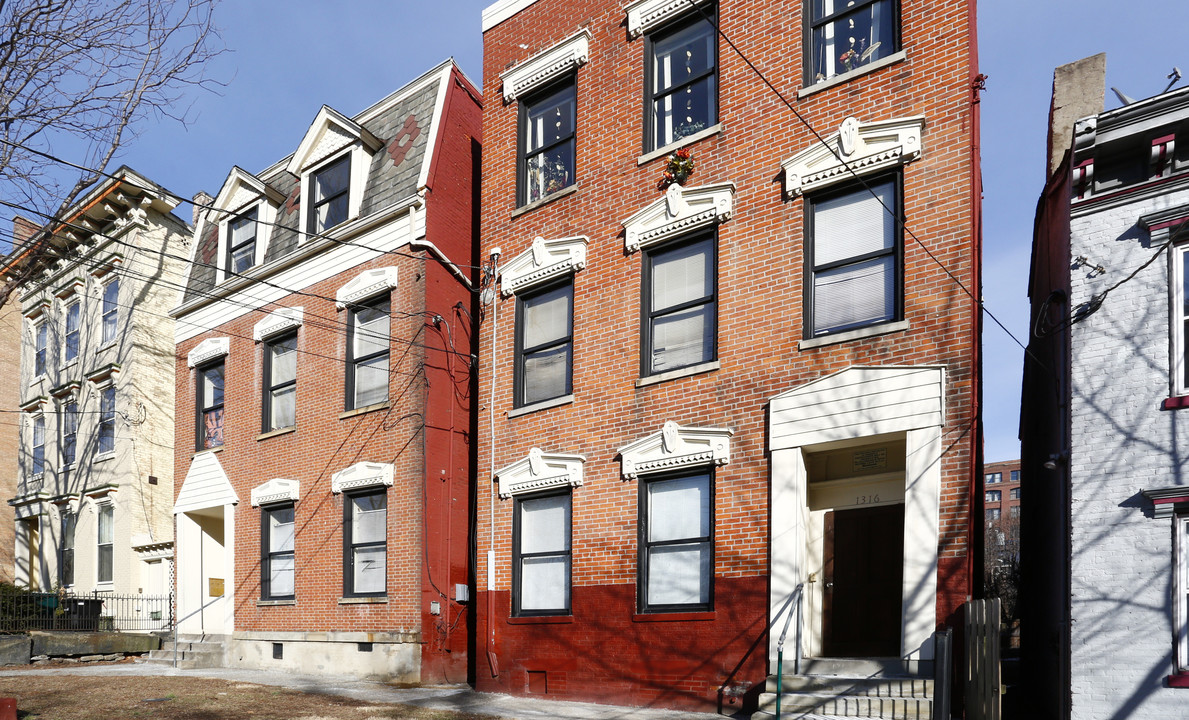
<point x="674" y="447"/>
<point x="681" y="210"/>
<point x="547" y="66"/>
<point x="362" y="475"/>
<point x="856" y="147"/>
<point x="540" y="471"/>
<point x="545" y="260"/>
<point x="208" y="349"/>
<point x="278" y="321"/>
<point x="497" y="12"/>
<point x="276" y="490"/>
<point x="365" y="285"/>
<point x="647" y="15"/>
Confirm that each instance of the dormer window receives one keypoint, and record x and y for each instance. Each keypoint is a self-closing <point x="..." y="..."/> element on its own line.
<point x="329" y="193"/>
<point x="241" y="242"/>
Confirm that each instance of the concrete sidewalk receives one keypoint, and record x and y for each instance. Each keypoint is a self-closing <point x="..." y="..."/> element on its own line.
<point x="459" y="697"/>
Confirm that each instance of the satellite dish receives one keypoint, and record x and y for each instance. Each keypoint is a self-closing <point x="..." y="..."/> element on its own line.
<point x="1174" y="76"/>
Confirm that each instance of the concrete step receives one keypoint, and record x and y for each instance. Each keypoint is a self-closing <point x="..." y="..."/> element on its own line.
<point x="799" y="705"/>
<point x="181" y="665"/>
<point x="209" y="653"/>
<point x="879" y="686"/>
<point x="192" y="650"/>
<point x="863" y="667"/>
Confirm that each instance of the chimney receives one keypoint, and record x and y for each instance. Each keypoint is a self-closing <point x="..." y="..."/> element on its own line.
<point x="1079" y="89"/>
<point x="201" y="199"/>
<point x="22" y="230"/>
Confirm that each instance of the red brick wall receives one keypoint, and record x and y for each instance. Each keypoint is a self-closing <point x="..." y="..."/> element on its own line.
<point x="760" y="274"/>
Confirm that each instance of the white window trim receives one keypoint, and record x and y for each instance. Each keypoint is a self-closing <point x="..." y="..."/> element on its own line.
<point x="34" y="416"/>
<point x="278" y="322"/>
<point x="110" y="278"/>
<point x="36" y="326"/>
<point x="362" y="475"/>
<point x="277" y="490"/>
<point x="1178" y="257"/>
<point x="546" y="66"/>
<point x="644" y="16"/>
<point x="675" y="447"/>
<point x="366" y="285"/>
<point x="856" y="148"/>
<point x="66" y="303"/>
<point x="680" y="211"/>
<point x="266" y="217"/>
<point x="540" y="471"/>
<point x="208" y="350"/>
<point x="543" y="262"/>
<point x="1180" y="588"/>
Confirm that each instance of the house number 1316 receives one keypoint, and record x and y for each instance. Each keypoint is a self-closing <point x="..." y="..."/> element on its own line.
<point x="866" y="499"/>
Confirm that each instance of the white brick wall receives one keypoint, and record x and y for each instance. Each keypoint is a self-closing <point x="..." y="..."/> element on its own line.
<point x="1122" y="443"/>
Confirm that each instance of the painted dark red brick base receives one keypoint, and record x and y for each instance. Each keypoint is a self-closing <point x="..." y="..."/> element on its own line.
<point x="605" y="653"/>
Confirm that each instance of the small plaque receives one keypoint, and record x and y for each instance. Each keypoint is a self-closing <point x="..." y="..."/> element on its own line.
<point x="216" y="587"/>
<point x="873" y="459"/>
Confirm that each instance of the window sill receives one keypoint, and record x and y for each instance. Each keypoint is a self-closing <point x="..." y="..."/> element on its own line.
<point x="68" y="365"/>
<point x="105" y="586"/>
<point x="1176" y="402"/>
<point x="541" y="620"/>
<point x="1179" y="680"/>
<point x="678" y="373"/>
<point x="364" y="410"/>
<point x="275" y="603"/>
<point x="380" y="600"/>
<point x="206" y="450"/>
<point x="856" y="334"/>
<point x="687" y="140"/>
<point x="543" y="405"/>
<point x="564" y="192"/>
<point x="852" y="74"/>
<point x="275" y="433"/>
<point x="109" y="344"/>
<point x="701" y="616"/>
<point x="105" y="457"/>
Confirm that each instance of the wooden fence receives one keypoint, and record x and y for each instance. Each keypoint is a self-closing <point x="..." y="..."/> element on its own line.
<point x="982" y="660"/>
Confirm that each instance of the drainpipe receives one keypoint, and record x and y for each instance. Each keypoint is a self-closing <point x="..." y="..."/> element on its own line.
<point x="492" y="659"/>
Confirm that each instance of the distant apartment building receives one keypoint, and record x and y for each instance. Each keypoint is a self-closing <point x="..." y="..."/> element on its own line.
<point x="1001" y="500"/>
<point x="95" y="479"/>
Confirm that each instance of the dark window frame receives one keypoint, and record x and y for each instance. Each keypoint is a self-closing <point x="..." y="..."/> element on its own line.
<point x="312" y="227"/>
<point x="858" y="187"/>
<point x="101" y="546"/>
<point x="526" y="106"/>
<point x="349" y="544"/>
<point x="268" y="387"/>
<point x="267" y="553"/>
<point x="522" y="352"/>
<point x="643" y="545"/>
<point x="107" y="421"/>
<point x="648" y="316"/>
<point x="812" y="23"/>
<point x="110" y="309"/>
<point x="230" y="270"/>
<point x="700" y="14"/>
<point x="74" y="335"/>
<point x="37" y="454"/>
<point x="518" y="557"/>
<point x="68" y="525"/>
<point x="201" y="408"/>
<point x="41" y="344"/>
<point x="69" y="433"/>
<point x="354" y="362"/>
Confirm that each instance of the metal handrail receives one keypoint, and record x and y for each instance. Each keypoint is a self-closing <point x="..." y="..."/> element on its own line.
<point x="795" y="601"/>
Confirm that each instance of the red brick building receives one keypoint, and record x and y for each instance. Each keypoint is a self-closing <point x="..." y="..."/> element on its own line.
<point x="324" y="383"/>
<point x="706" y="393"/>
<point x="1001" y="497"/>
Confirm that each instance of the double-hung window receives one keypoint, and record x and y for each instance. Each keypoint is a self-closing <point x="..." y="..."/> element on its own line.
<point x="1180" y="313"/>
<point x="104" y="542"/>
<point x="854" y="258"/>
<point x="681" y="83"/>
<point x="70" y="341"/>
<point x="541" y="555"/>
<point x="39" y="445"/>
<point x="676" y="543"/>
<point x="111" y="310"/>
<point x="280" y="382"/>
<point x="210" y="406"/>
<point x="276" y="553"/>
<point x="241" y="243"/>
<point x="106" y="437"/>
<point x="680" y="305"/>
<point x="992" y="478"/>
<point x="66" y="549"/>
<point x="69" y="425"/>
<point x="993" y="496"/>
<point x="40" y="348"/>
<point x="547" y="142"/>
<point x="544" y="343"/>
<point x="848" y="34"/>
<point x="365" y="544"/>
<point x="329" y="195"/>
<point x="368" y="335"/>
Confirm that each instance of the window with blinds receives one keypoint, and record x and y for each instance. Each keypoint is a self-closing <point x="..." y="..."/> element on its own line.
<point x="544" y="344"/>
<point x="680" y="305"/>
<point x="854" y="256"/>
<point x="541" y="555"/>
<point x="676" y="544"/>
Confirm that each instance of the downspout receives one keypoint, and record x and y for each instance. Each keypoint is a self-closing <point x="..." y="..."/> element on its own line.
<point x="977" y="84"/>
<point x="492" y="659"/>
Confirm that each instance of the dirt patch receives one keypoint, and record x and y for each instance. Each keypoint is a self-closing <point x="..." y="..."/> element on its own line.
<point x="73" y="697"/>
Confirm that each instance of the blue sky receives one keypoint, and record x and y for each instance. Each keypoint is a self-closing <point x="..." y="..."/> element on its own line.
<point x="286" y="59"/>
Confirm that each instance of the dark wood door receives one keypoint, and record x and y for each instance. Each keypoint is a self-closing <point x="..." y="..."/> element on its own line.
<point x="863" y="574"/>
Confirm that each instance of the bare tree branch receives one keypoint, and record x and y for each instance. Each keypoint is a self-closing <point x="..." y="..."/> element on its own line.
<point x="77" y="77"/>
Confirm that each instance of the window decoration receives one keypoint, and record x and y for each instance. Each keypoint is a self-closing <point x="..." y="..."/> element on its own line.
<point x="546" y="67"/>
<point x="681" y="76"/>
<point x="277" y="490"/>
<point x="280" y="382"/>
<point x="543" y="262"/>
<point x="678" y="167"/>
<point x="278" y="321"/>
<point x="675" y="447"/>
<point x="676" y="564"/>
<point x="856" y="148"/>
<point x="365" y="285"/>
<point x="644" y="16"/>
<point x="540" y="471"/>
<point x="544" y="344"/>
<point x="847" y="35"/>
<point x="362" y="475"/>
<point x="541" y="549"/>
<point x="365" y="543"/>
<point x="681" y="308"/>
<point x="105" y="539"/>
<point x="210" y="405"/>
<point x="681" y="211"/>
<point x="277" y="558"/>
<point x="208" y="350"/>
<point x="548" y="150"/>
<point x="368" y="344"/>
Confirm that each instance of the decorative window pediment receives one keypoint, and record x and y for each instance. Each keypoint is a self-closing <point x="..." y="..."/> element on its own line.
<point x="362" y="475"/>
<point x="36" y="404"/>
<point x="278" y="321"/>
<point x="865" y="148"/>
<point x="330" y="133"/>
<point x="104" y="376"/>
<point x="545" y="67"/>
<point x="365" y="285"/>
<point x="275" y="491"/>
<point x="1165" y="500"/>
<point x="545" y="260"/>
<point x="107" y="265"/>
<point x="675" y="447"/>
<point x="37" y="309"/>
<point x="540" y="471"/>
<point x="647" y="15"/>
<point x="72" y="286"/>
<point x="208" y="349"/>
<point x="680" y="211"/>
<point x="241" y="188"/>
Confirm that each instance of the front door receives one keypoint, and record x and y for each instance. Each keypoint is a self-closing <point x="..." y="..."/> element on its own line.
<point x="863" y="573"/>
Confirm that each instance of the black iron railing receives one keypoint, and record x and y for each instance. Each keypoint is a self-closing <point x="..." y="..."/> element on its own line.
<point x="83" y="612"/>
